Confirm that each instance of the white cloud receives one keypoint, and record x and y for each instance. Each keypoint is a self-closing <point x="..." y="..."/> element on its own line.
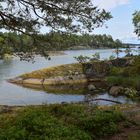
<point x="130" y="37"/>
<point x="110" y="4"/>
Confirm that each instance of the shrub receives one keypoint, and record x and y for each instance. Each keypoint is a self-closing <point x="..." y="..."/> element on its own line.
<point x="60" y="122"/>
<point x="116" y="71"/>
<point x="133" y="82"/>
<point x="132" y="93"/>
<point x="82" y="59"/>
<point x="126" y="76"/>
<point x="96" y="56"/>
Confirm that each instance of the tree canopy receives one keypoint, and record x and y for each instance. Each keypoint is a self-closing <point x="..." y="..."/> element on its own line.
<point x="67" y="15"/>
<point x="28" y="16"/>
<point x="136" y="22"/>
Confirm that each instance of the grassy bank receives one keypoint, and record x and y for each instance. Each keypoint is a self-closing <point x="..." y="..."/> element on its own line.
<point x="128" y="76"/>
<point x="60" y="122"/>
<point x="93" y="68"/>
<point x="62" y="70"/>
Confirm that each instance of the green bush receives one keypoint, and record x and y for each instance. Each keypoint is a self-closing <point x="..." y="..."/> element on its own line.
<point x="132" y="93"/>
<point x="134" y="69"/>
<point x="116" y="71"/>
<point x="126" y="76"/>
<point x="38" y="124"/>
<point x="82" y="59"/>
<point x="96" y="56"/>
<point x="133" y="82"/>
<point x="60" y="122"/>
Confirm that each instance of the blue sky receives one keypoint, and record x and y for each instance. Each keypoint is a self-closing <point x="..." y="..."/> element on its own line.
<point x="120" y="26"/>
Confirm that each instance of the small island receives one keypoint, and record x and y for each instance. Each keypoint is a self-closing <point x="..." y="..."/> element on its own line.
<point x="119" y="76"/>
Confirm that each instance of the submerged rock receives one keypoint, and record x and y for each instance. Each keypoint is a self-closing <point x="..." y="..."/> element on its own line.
<point x="16" y="80"/>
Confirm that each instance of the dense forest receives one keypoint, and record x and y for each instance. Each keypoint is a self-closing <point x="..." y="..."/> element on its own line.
<point x="12" y="42"/>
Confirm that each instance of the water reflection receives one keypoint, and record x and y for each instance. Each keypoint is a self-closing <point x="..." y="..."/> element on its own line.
<point x="5" y="68"/>
<point x="98" y="97"/>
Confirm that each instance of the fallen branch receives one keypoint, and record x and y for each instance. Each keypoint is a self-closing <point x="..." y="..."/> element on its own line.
<point x="104" y="100"/>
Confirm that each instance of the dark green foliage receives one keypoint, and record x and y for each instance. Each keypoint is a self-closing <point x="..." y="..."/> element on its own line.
<point x="82" y="59"/>
<point x="126" y="76"/>
<point x="133" y="82"/>
<point x="115" y="71"/>
<point x="60" y="122"/>
<point x="136" y="22"/>
<point x="134" y="69"/>
<point x="130" y="70"/>
<point x="28" y="16"/>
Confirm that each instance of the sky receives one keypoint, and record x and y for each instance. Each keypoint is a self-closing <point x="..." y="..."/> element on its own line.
<point x="120" y="26"/>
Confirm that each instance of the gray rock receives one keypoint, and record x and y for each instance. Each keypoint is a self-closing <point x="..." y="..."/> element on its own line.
<point x="122" y="62"/>
<point x="76" y="73"/>
<point x="116" y="90"/>
<point x="64" y="103"/>
<point x="96" y="90"/>
<point x="70" y="72"/>
<point x="71" y="77"/>
<point x="60" y="78"/>
<point x="17" y="80"/>
<point x="130" y="62"/>
<point x="91" y="87"/>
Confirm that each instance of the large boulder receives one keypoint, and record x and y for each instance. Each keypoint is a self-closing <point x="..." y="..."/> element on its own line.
<point x="96" y="69"/>
<point x="116" y="90"/>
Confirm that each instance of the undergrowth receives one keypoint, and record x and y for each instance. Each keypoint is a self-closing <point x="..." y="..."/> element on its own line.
<point x="60" y="122"/>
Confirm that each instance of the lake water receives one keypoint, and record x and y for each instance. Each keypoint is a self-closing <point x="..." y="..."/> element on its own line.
<point x="11" y="94"/>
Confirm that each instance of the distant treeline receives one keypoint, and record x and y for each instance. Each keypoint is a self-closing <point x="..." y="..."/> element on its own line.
<point x="15" y="43"/>
<point x="131" y="44"/>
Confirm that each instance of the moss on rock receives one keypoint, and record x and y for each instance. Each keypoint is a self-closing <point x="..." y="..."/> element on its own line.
<point x="62" y="70"/>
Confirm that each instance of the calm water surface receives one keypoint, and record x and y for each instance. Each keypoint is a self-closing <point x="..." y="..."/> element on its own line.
<point x="15" y="95"/>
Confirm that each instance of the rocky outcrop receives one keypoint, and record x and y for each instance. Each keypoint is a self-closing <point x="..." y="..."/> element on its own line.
<point x="65" y="80"/>
<point x="16" y="80"/>
<point x="59" y="80"/>
<point x="66" y="74"/>
<point x="122" y="62"/>
<point x="96" y="69"/>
